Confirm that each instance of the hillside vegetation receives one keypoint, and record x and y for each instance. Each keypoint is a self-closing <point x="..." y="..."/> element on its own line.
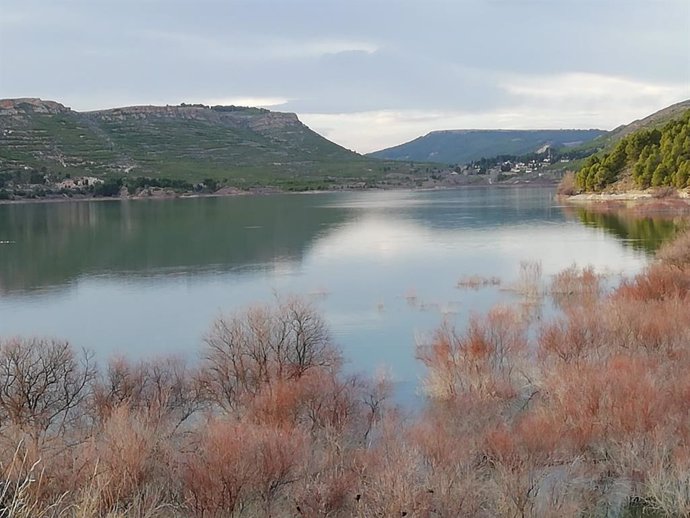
<point x="45" y="142"/>
<point x="652" y="157"/>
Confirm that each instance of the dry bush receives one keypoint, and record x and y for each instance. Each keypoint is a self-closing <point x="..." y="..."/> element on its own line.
<point x="618" y="399"/>
<point x="676" y="252"/>
<point x="449" y="437"/>
<point x="331" y="483"/>
<point x="658" y="282"/>
<point x="580" y="334"/>
<point x="129" y="456"/>
<point x="576" y="286"/>
<point x="164" y="389"/>
<point x="392" y="478"/>
<point x="485" y="361"/>
<point x="529" y="283"/>
<point x="42" y="382"/>
<point x="654" y="327"/>
<point x="667" y="486"/>
<point x="20" y="495"/>
<point x="237" y="467"/>
<point x="568" y="185"/>
<point x="262" y="345"/>
<point x="322" y="402"/>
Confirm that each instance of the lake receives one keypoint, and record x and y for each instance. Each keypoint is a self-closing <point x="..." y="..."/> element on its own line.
<point x="147" y="277"/>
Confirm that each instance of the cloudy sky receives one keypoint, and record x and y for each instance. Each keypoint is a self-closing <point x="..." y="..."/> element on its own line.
<point x="365" y="73"/>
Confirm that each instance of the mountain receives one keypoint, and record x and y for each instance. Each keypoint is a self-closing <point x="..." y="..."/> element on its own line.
<point x="464" y="146"/>
<point x="237" y="146"/>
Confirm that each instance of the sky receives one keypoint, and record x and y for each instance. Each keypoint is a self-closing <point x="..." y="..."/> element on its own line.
<point x="367" y="74"/>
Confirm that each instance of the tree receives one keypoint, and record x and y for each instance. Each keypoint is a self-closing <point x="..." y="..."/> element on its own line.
<point x="42" y="382"/>
<point x="246" y="351"/>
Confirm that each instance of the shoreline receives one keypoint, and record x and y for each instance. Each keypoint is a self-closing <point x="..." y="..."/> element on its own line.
<point x="232" y="192"/>
<point x="637" y="201"/>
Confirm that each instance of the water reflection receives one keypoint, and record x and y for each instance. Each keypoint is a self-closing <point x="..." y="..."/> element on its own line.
<point x="54" y="244"/>
<point x="143" y="278"/>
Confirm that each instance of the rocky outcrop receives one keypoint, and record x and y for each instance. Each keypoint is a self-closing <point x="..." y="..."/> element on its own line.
<point x="27" y="105"/>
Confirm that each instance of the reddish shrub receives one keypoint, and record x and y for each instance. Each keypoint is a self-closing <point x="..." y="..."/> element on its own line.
<point x="484" y="361"/>
<point x="658" y="282"/>
<point x="237" y="465"/>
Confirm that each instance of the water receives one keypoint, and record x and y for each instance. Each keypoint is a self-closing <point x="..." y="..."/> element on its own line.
<point x="146" y="278"/>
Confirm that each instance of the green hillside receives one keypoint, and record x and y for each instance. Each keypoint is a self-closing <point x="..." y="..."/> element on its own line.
<point x="185" y="144"/>
<point x="465" y="146"/>
<point x="650" y="156"/>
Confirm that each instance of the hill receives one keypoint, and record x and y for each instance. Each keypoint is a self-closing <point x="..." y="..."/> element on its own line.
<point x="465" y="146"/>
<point x="238" y="146"/>
<point x="608" y="140"/>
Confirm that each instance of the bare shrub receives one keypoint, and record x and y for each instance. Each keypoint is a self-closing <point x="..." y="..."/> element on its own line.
<point x="568" y="185"/>
<point x="323" y="403"/>
<point x="655" y="327"/>
<point x="42" y="382"/>
<point x="580" y="334"/>
<point x="392" y="478"/>
<point x="241" y="466"/>
<point x="529" y="283"/>
<point x="676" y="252"/>
<point x="265" y="344"/>
<point x="657" y="282"/>
<point x="575" y="286"/>
<point x="485" y="361"/>
<point x="668" y="487"/>
<point x="128" y="457"/>
<point x="164" y="389"/>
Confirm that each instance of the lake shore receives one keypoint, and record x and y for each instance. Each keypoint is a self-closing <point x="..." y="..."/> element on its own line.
<point x="639" y="201"/>
<point x="225" y="192"/>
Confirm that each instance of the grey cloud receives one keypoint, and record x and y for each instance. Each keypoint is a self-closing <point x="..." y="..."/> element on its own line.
<point x="404" y="55"/>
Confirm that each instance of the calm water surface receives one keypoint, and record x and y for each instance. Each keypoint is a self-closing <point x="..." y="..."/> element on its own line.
<point x="145" y="278"/>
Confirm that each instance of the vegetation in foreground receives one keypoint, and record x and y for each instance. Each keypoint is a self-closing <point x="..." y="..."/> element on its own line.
<point x="586" y="416"/>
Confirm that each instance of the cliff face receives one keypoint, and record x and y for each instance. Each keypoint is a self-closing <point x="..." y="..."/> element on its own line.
<point x="185" y="141"/>
<point x="29" y="105"/>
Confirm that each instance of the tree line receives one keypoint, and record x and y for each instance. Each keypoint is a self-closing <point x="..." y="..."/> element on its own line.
<point x="653" y="157"/>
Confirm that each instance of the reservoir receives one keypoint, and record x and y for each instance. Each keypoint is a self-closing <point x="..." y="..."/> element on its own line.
<point x="145" y="278"/>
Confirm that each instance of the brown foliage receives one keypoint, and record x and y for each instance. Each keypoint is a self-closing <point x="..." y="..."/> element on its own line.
<point x="236" y="465"/>
<point x="568" y="185"/>
<point x="484" y="361"/>
<point x="676" y="253"/>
